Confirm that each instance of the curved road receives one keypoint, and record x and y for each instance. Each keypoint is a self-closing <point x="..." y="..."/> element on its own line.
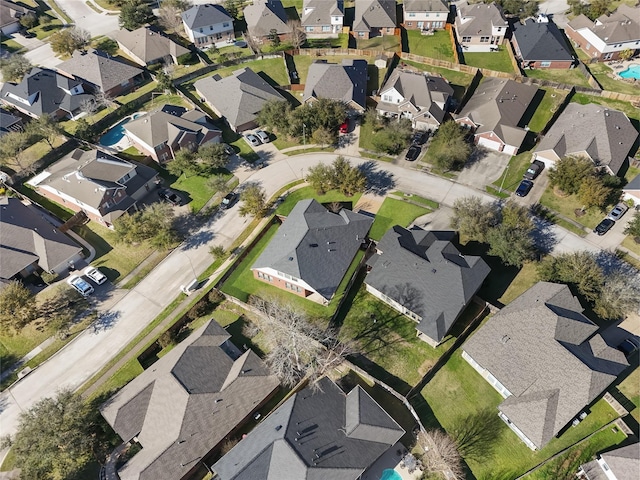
<point x="87" y="18"/>
<point x="91" y="350"/>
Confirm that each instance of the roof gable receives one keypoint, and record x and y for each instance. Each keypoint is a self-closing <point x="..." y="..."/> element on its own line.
<point x="206" y="15"/>
<point x="99" y="69"/>
<point x="149" y="45"/>
<point x="541" y="42"/>
<point x="374" y="14"/>
<point x="262" y="16"/>
<point x="346" y="82"/>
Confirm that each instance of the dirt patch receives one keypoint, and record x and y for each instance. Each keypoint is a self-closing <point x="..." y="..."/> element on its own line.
<point x="426" y="365"/>
<point x="369" y="203"/>
<point x="559" y="193"/>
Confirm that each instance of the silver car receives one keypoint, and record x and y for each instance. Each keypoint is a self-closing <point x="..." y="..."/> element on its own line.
<point x="82" y="287"/>
<point x="618" y="211"/>
<point x="263" y="136"/>
<point x="252" y="140"/>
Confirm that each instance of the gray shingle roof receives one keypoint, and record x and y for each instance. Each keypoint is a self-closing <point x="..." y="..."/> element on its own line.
<point x="346" y="82"/>
<point x="262" y="16"/>
<point x="98" y="69"/>
<point x="497" y="106"/>
<point x="7" y="121"/>
<point x="623" y="463"/>
<point x="541" y="41"/>
<point x="26" y="237"/>
<point x="10" y="12"/>
<point x="43" y="91"/>
<point x="314" y="435"/>
<point x="205" y="15"/>
<point x="426" y="6"/>
<point x="316" y="245"/>
<point x="148" y="45"/>
<point x="185" y="404"/>
<point x="374" y="14"/>
<point x="623" y="25"/>
<point x="605" y="135"/>
<point x="549" y="356"/>
<point x="319" y="12"/>
<point x="478" y="19"/>
<point x="238" y="97"/>
<point x="633" y="184"/>
<point x="424" y="271"/>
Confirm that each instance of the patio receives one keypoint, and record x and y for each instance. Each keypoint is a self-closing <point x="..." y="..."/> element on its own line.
<point x="393" y="459"/>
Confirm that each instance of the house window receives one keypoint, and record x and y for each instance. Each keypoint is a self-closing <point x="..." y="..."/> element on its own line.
<point x="466" y="39"/>
<point x="412" y="14"/>
<point x="308" y="29"/>
<point x="499" y="29"/>
<point x="200" y="30"/>
<point x="484" y="39"/>
<point x="545" y="64"/>
<point x="211" y="28"/>
<point x="386" y="98"/>
<point x="225" y="25"/>
<point x="437" y="24"/>
<point x="437" y="15"/>
<point x="607" y="56"/>
<point x="361" y="34"/>
<point x="326" y="28"/>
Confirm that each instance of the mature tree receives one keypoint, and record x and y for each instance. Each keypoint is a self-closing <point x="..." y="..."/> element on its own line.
<point x="275" y="116"/>
<point x="135" y="13"/>
<point x="441" y="454"/>
<point x="212" y="156"/>
<point x="12" y="150"/>
<point x="579" y="268"/>
<point x="473" y="218"/>
<point x="254" y="201"/>
<point x="626" y="54"/>
<point x="633" y="227"/>
<point x="107" y="45"/>
<point x="372" y="118"/>
<point x="67" y="41"/>
<point x="184" y="162"/>
<point x="274" y="38"/>
<point x="449" y="150"/>
<point x="576" y="7"/>
<point x="394" y="137"/>
<point x="569" y="172"/>
<point x="154" y="223"/>
<point x="45" y="19"/>
<point x="324" y="136"/>
<point x="619" y="296"/>
<point x="347" y="178"/>
<point x="296" y="33"/>
<point x="597" y="8"/>
<point x="84" y="130"/>
<point x="233" y="8"/>
<point x="47" y="129"/>
<point x="17" y="306"/>
<point x="57" y="437"/>
<point x="513" y="246"/>
<point x="88" y="106"/>
<point x="165" y="84"/>
<point x="299" y="348"/>
<point x="14" y="67"/>
<point x="60" y="309"/>
<point x="520" y="8"/>
<point x="217" y="251"/>
<point x="217" y="183"/>
<point x="29" y="20"/>
<point x="320" y="177"/>
<point x="169" y="17"/>
<point x="593" y="193"/>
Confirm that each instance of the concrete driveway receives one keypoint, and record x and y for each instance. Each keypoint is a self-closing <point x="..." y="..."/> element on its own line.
<point x="28" y="43"/>
<point x="486" y="166"/>
<point x="85" y="17"/>
<point x="43" y="56"/>
<point x="556" y="10"/>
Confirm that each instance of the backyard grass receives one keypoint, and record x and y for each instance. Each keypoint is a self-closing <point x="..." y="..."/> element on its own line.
<point x="436" y="46"/>
<point x="631" y="111"/>
<point x="459" y="81"/>
<point x="273" y="70"/>
<point x="384" y="43"/>
<point x="511" y="178"/>
<point x="498" y="61"/>
<point x="525" y="279"/>
<point x="601" y="71"/>
<point x="395" y="212"/>
<point x="308" y="192"/>
<point x="568" y="77"/>
<point x="195" y="189"/>
<point x="231" y="52"/>
<point x="567" y="205"/>
<point x="546" y="109"/>
<point x="341" y="42"/>
<point x="457" y="391"/>
<point x="629" y="388"/>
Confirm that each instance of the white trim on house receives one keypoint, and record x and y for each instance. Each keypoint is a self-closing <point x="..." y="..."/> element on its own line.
<point x="286" y="278"/>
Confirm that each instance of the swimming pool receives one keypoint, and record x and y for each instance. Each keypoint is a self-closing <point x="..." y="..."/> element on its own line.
<point x="390" y="474"/>
<point x="632" y="72"/>
<point x="115" y="133"/>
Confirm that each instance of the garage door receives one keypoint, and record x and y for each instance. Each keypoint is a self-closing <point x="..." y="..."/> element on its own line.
<point x="485" y="142"/>
<point x="510" y="149"/>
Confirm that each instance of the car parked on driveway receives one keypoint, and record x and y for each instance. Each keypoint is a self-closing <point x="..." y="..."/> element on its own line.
<point x="228" y="149"/>
<point x="419" y="138"/>
<point x="618" y="211"/>
<point x="629" y="346"/>
<point x="412" y="153"/>
<point x="344" y="127"/>
<point x="534" y="170"/>
<point x="95" y="275"/>
<point x="263" y="136"/>
<point x="252" y="140"/>
<point x="524" y="188"/>
<point x="80" y="285"/>
<point x="604" y="226"/>
<point x="170" y="196"/>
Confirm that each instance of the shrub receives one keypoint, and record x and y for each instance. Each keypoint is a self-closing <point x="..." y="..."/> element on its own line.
<point x="200" y="309"/>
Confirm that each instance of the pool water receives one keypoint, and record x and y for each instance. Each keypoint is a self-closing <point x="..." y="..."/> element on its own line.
<point x="115" y="133"/>
<point x="390" y="474"/>
<point x="632" y="72"/>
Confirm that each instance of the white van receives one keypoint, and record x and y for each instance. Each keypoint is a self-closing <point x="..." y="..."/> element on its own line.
<point x="190" y="287"/>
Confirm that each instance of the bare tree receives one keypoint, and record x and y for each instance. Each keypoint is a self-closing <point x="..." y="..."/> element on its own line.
<point x="88" y="106"/>
<point x="440" y="454"/>
<point x="253" y="44"/>
<point x="299" y="348"/>
<point x="169" y="17"/>
<point x="296" y="34"/>
<point x="103" y="99"/>
<point x="619" y="296"/>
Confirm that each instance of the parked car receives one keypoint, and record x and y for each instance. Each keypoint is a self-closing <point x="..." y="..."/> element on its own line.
<point x="263" y="136"/>
<point x="95" y="275"/>
<point x="228" y="200"/>
<point x="228" y="149"/>
<point x="81" y="286"/>
<point x="252" y="140"/>
<point x="534" y="170"/>
<point x="618" y="211"/>
<point x="604" y="226"/>
<point x="628" y="346"/>
<point x="170" y="196"/>
<point x="344" y="127"/>
<point x="412" y="153"/>
<point x="419" y="138"/>
<point x="524" y="188"/>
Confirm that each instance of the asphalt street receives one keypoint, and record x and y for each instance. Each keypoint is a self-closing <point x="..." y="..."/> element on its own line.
<point x="88" y="19"/>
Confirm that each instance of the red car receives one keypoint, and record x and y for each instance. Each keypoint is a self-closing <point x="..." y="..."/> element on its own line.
<point x="344" y="128"/>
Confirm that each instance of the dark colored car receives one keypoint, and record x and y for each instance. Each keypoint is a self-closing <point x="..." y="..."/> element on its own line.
<point x="412" y="153"/>
<point x="534" y="170"/>
<point x="228" y="149"/>
<point x="524" y="188"/>
<point x="604" y="226"/>
<point x="228" y="200"/>
<point x="628" y="346"/>
<point x="169" y="196"/>
<point x="420" y="138"/>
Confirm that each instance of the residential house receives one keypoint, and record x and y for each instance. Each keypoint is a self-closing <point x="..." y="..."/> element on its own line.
<point x="609" y="35"/>
<point x="424" y="276"/>
<point x="161" y="133"/>
<point x="102" y="71"/>
<point x="425" y="15"/>
<point x="480" y="27"/>
<point x="322" y="18"/>
<point x="44" y="91"/>
<point x="631" y="191"/>
<point x="10" y="13"/>
<point x="238" y="98"/>
<point x="618" y="464"/>
<point x="541" y="45"/>
<point x="9" y="122"/>
<point x="208" y="25"/>
<point x="146" y="46"/>
<point x="604" y="136"/>
<point x="319" y="433"/>
<point x="374" y="18"/>
<point x="312" y="250"/>
<point x="264" y="18"/>
<point x="547" y="360"/>
<point x="192" y="399"/>
<point x="495" y="114"/>
<point x="104" y="187"/>
<point x="29" y="243"/>
<point x="345" y="82"/>
<point x="422" y="98"/>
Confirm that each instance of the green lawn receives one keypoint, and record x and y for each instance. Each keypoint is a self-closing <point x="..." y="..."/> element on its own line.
<point x="341" y="42"/>
<point x="460" y="81"/>
<point x="498" y="61"/>
<point x="526" y="278"/>
<point x="432" y="46"/>
<point x="626" y="107"/>
<point x="568" y="77"/>
<point x="366" y="136"/>
<point x="546" y="109"/>
<point x="458" y="391"/>
<point x="307" y="192"/>
<point x="630" y="244"/>
<point x="601" y="71"/>
<point x="518" y="165"/>
<point x="395" y="212"/>
<point x="418" y="199"/>
<point x="384" y="43"/>
<point x="567" y="205"/>
<point x="273" y="70"/>
<point x="231" y="52"/>
<point x="9" y="44"/>
<point x="629" y="388"/>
